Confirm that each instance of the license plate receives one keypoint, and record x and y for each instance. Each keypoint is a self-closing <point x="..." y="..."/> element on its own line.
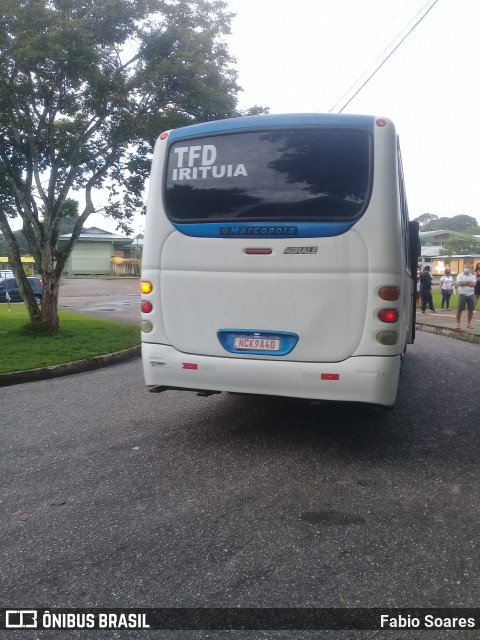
<point x="257" y="343"/>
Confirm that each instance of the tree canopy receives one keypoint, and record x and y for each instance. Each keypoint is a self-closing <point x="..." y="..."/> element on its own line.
<point x="86" y="86"/>
<point x="431" y="222"/>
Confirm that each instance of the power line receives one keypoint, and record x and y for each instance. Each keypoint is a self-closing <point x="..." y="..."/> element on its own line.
<point x="378" y="67"/>
<point x="370" y="49"/>
<point x="384" y="60"/>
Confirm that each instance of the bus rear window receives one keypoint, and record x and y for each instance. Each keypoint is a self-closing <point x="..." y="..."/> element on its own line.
<point x="291" y="175"/>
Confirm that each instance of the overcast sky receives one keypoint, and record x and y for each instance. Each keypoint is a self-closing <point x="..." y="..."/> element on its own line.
<point x="302" y="56"/>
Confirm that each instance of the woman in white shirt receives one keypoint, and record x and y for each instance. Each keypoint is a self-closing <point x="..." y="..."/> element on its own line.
<point x="446" y="285"/>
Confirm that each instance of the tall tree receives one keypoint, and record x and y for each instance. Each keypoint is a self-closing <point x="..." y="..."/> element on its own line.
<point x="460" y="223"/>
<point x="69" y="217"/>
<point x="425" y="220"/>
<point x="85" y="88"/>
<point x="431" y="222"/>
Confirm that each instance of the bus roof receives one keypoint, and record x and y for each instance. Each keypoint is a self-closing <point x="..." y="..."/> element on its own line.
<point x="273" y="120"/>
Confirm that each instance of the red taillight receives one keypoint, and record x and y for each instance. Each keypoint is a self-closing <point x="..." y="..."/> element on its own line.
<point x="164" y="135"/>
<point x="388" y="315"/>
<point x="381" y="122"/>
<point x="190" y="365"/>
<point x="146" y="306"/>
<point x="389" y="293"/>
<point x="40" y="282"/>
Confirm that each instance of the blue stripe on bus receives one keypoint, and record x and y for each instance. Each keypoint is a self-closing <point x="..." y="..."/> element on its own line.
<point x="264" y="230"/>
<point x="268" y="121"/>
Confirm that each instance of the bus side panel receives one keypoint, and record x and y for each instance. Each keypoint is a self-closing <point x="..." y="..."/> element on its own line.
<point x="382" y="226"/>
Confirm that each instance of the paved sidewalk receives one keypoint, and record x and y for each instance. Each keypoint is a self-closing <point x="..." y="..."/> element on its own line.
<point x="444" y="323"/>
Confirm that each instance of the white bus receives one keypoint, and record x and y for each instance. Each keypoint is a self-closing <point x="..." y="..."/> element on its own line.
<point x="278" y="259"/>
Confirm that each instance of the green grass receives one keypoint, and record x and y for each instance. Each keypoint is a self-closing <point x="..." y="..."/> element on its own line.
<point x="80" y="337"/>
<point x="437" y="300"/>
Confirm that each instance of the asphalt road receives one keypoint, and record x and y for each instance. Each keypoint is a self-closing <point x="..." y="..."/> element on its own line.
<point x="117" y="299"/>
<point x="114" y="497"/>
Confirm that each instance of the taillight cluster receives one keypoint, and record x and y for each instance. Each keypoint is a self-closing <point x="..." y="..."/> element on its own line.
<point x="389" y="315"/>
<point x="389" y="294"/>
<point x="146" y="306"/>
<point x="146" y="287"/>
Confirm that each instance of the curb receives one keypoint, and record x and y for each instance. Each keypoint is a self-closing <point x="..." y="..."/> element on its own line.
<point x="81" y="366"/>
<point x="58" y="370"/>
<point x="457" y="334"/>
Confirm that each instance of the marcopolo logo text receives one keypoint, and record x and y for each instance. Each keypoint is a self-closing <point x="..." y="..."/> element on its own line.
<point x="278" y="231"/>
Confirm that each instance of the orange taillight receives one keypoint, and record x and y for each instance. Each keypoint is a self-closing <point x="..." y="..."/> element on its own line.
<point x="389" y="293"/>
<point x="146" y="286"/>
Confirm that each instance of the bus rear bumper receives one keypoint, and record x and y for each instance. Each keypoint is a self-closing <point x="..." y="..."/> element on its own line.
<point x="364" y="379"/>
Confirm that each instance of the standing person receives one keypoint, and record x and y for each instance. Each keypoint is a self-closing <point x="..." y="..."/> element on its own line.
<point x="477" y="285"/>
<point x="446" y="285"/>
<point x="426" y="289"/>
<point x="419" y="295"/>
<point x="466" y="282"/>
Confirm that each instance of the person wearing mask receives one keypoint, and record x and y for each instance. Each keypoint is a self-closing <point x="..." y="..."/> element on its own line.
<point x="477" y="285"/>
<point x="446" y="285"/>
<point x="466" y="282"/>
<point x="426" y="289"/>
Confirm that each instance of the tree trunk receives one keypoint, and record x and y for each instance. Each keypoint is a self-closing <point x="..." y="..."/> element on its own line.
<point x="49" y="311"/>
<point x="33" y="310"/>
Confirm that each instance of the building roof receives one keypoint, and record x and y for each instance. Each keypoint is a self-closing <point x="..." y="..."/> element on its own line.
<point x="96" y="234"/>
<point x="430" y="252"/>
<point x="463" y="255"/>
<point x="440" y="232"/>
<point x="433" y="252"/>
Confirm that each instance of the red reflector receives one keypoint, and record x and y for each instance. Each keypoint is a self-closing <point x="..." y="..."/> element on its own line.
<point x="189" y="365"/>
<point x="164" y="135"/>
<point x="258" y="252"/>
<point x="146" y="306"/>
<point x="388" y="315"/>
<point x="330" y="376"/>
<point x="389" y="293"/>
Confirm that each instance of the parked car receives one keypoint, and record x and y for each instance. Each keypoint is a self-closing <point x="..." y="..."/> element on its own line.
<point x="6" y="273"/>
<point x="10" y="286"/>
